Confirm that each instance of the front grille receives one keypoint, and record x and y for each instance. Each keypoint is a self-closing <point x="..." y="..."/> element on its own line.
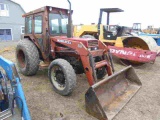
<point x="92" y="43"/>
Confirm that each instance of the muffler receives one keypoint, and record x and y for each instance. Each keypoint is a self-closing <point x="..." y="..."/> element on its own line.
<point x="107" y="97"/>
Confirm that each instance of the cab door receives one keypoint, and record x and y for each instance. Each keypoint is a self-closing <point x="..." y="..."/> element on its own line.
<point x="38" y="30"/>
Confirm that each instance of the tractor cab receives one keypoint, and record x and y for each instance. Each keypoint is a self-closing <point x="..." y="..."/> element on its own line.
<point x="45" y="22"/>
<point x="55" y="21"/>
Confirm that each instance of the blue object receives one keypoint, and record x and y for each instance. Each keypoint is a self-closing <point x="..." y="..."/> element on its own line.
<point x="14" y="78"/>
<point x="156" y="37"/>
<point x="157" y="41"/>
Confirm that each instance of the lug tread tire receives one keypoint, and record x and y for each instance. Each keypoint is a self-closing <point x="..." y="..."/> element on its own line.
<point x="69" y="74"/>
<point x="31" y="56"/>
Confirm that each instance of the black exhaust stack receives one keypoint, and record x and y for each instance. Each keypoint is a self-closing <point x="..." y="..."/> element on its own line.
<point x="69" y="26"/>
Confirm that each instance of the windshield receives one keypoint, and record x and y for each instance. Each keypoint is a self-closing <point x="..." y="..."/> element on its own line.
<point x="136" y="26"/>
<point x="58" y="23"/>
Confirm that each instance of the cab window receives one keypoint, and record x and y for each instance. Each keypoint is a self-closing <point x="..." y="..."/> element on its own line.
<point x="38" y="24"/>
<point x="58" y="23"/>
<point x="28" y="22"/>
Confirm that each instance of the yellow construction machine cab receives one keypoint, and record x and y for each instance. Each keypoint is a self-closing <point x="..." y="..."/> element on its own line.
<point x="109" y="32"/>
<point x="136" y="27"/>
<point x="106" y="33"/>
<point x="108" y="11"/>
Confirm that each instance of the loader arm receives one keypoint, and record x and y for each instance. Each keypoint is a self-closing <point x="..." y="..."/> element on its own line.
<point x="86" y="56"/>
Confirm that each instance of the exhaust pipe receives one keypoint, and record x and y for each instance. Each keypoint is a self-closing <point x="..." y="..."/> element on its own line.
<point x="69" y="26"/>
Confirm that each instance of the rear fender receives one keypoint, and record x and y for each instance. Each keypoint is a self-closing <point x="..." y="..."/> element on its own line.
<point x="31" y="38"/>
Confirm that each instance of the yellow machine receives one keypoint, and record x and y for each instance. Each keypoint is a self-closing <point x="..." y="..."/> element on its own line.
<point x="106" y="33"/>
<point x="115" y="35"/>
<point x="150" y="29"/>
<point x="91" y="31"/>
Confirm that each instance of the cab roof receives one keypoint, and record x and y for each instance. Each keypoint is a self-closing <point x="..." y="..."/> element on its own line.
<point x="111" y="10"/>
<point x="42" y="9"/>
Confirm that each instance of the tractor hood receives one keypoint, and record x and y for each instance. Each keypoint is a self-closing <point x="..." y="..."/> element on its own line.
<point x="87" y="42"/>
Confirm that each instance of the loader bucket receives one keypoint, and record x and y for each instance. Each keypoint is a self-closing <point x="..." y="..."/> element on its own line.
<point x="107" y="97"/>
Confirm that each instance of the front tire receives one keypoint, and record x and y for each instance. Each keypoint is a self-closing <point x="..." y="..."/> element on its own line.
<point x="27" y="57"/>
<point x="62" y="76"/>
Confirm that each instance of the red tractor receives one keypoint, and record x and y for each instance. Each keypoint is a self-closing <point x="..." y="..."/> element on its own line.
<point x="48" y="38"/>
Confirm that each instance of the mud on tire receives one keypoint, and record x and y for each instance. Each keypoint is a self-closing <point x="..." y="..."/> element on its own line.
<point x="62" y="76"/>
<point x="27" y="57"/>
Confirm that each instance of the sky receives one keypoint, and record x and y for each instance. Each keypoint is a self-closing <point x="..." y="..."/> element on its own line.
<point x="87" y="11"/>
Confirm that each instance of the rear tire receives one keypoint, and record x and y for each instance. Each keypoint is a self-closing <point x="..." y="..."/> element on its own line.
<point x="62" y="76"/>
<point x="27" y="57"/>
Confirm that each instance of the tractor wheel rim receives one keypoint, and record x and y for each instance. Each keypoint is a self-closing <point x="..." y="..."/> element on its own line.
<point x="21" y="59"/>
<point x="58" y="78"/>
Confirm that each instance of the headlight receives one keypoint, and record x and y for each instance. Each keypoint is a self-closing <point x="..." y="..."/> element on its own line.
<point x="94" y="48"/>
<point x="89" y="49"/>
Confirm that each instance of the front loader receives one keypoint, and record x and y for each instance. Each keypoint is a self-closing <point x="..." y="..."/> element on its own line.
<point x="132" y="50"/>
<point x="48" y="38"/>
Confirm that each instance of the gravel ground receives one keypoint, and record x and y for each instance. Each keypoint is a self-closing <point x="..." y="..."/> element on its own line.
<point x="45" y="104"/>
<point x="6" y="44"/>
